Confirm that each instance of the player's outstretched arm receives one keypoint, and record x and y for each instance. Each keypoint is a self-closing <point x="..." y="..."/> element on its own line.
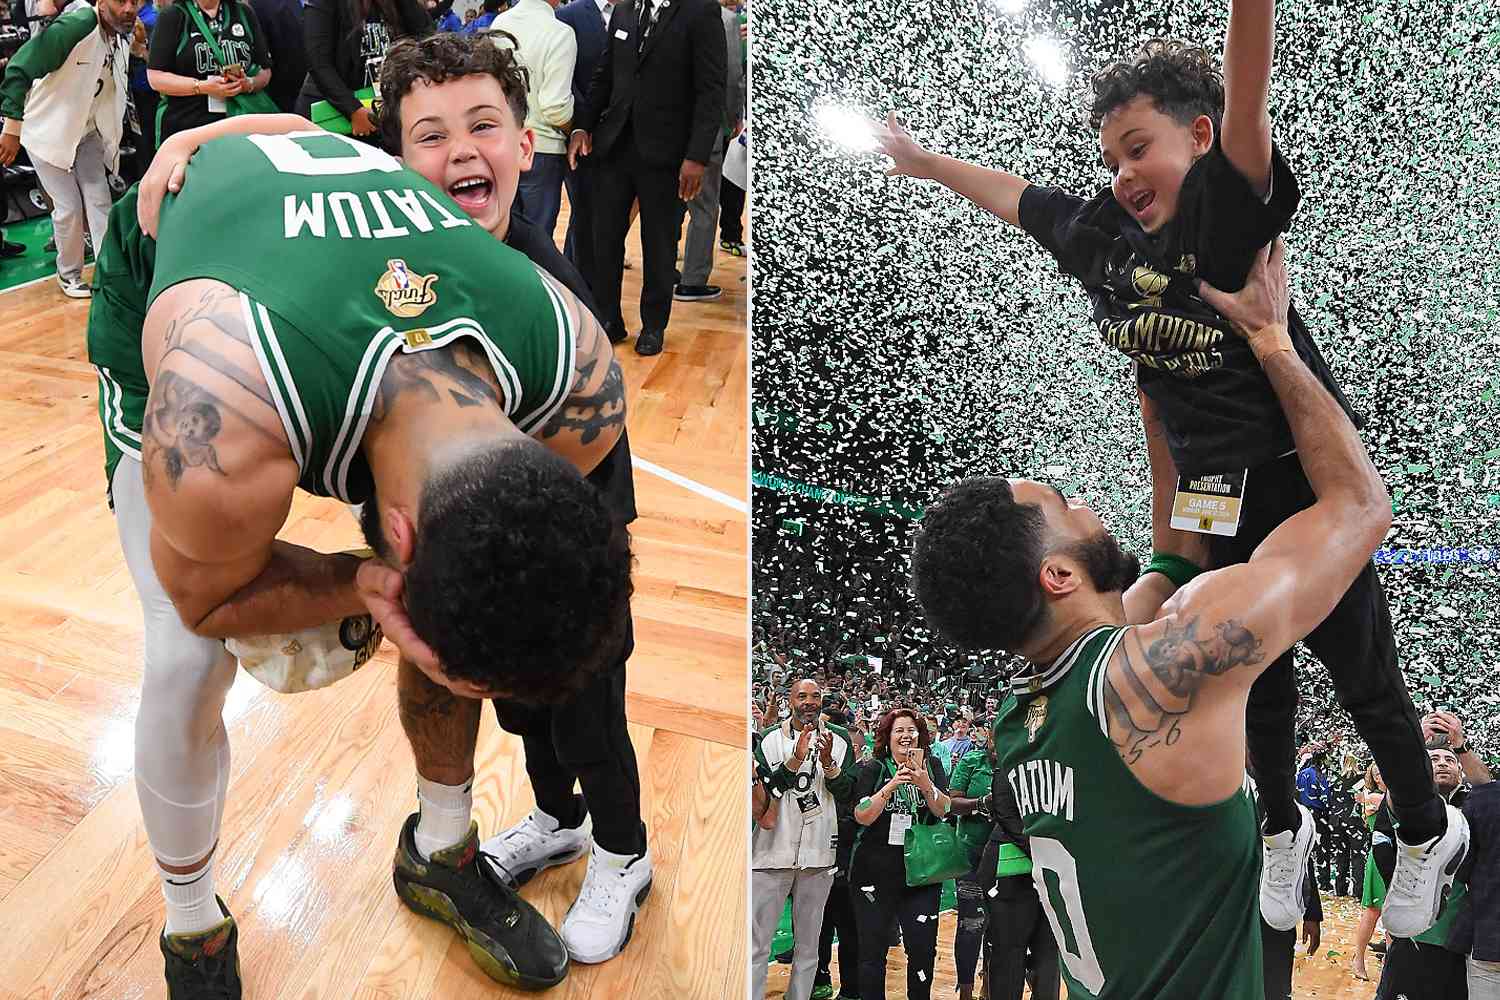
<point x="1144" y="599"/>
<point x="1174" y="693"/>
<point x="219" y="478"/>
<point x="995" y="191"/>
<point x="592" y="418"/>
<point x="1249" y="49"/>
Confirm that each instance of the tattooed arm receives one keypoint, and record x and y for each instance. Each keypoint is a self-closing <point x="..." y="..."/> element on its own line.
<point x="591" y="419"/>
<point x="1174" y="692"/>
<point x="219" y="479"/>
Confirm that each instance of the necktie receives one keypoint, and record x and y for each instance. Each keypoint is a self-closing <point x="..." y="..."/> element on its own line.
<point x="645" y="16"/>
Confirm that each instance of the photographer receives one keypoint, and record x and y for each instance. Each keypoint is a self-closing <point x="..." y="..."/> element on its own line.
<point x="809" y="764"/>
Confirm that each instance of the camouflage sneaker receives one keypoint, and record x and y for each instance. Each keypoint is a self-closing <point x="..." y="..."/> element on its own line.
<point x="205" y="965"/>
<point x="507" y="937"/>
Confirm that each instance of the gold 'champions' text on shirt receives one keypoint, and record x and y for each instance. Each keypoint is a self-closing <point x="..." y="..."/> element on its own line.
<point x="352" y="220"/>
<point x="1043" y="786"/>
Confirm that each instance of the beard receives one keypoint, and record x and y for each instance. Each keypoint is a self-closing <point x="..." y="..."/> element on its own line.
<point x="1110" y="568"/>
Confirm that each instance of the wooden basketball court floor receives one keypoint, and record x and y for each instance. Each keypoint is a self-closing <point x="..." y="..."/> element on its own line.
<point x="322" y="781"/>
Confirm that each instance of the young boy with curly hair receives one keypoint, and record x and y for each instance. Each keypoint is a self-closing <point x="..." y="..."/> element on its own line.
<point x="1197" y="189"/>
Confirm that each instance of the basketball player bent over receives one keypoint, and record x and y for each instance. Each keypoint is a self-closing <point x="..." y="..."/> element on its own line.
<point x="429" y="387"/>
<point x="1125" y="743"/>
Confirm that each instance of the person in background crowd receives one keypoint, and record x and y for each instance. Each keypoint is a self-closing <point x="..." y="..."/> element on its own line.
<point x="1018" y="941"/>
<point x="142" y="97"/>
<point x="652" y="116"/>
<point x="189" y="76"/>
<point x="589" y="20"/>
<point x="1476" y="931"/>
<point x="548" y="49"/>
<point x="285" y="41"/>
<point x="838" y="912"/>
<point x="973" y="777"/>
<point x="1426" y="967"/>
<point x="901" y="785"/>
<point x="63" y="97"/>
<point x="731" y="195"/>
<point x="1372" y="896"/>
<point x="447" y="18"/>
<point x="812" y="767"/>
<point x="703" y="211"/>
<point x="346" y="44"/>
<point x="488" y="11"/>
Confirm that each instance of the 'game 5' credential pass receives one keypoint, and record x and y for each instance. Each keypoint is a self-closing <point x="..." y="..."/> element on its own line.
<point x="1209" y="504"/>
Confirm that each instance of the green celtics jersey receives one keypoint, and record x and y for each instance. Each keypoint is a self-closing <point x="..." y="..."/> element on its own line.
<point x="1147" y="899"/>
<point x="342" y="259"/>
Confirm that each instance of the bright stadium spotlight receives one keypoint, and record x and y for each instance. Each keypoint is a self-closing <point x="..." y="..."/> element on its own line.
<point x="1011" y="6"/>
<point x="845" y="126"/>
<point x="1048" y="59"/>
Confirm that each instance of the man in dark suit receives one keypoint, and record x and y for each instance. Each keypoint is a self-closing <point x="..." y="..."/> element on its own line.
<point x="650" y="120"/>
<point x="282" y="21"/>
<point x="589" y="20"/>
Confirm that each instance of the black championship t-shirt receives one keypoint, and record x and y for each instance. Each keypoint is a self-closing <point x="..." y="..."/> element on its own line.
<point x="374" y="40"/>
<point x="1218" y="408"/>
<point x="177" y="46"/>
<point x="614" y="477"/>
<point x="874" y="847"/>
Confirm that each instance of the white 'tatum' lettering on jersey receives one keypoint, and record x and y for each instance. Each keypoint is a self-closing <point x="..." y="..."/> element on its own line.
<point x="1043" y="786"/>
<point x="309" y="214"/>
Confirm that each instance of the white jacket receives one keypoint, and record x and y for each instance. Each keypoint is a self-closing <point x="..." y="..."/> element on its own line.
<point x="800" y="839"/>
<point x="69" y="62"/>
<point x="548" y="49"/>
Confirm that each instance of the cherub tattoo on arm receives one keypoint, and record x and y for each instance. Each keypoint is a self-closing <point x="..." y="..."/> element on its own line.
<point x="181" y="422"/>
<point x="1146" y="699"/>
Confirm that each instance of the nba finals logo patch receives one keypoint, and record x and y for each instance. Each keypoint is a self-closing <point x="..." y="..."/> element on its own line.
<point x="405" y="294"/>
<point x="1036" y="717"/>
<point x="1148" y="282"/>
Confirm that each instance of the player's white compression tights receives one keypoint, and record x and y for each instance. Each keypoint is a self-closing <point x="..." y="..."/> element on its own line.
<point x="181" y="749"/>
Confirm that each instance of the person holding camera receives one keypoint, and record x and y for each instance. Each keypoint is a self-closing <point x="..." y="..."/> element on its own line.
<point x="63" y="98"/>
<point x="806" y="763"/>
<point x="898" y="788"/>
<point x="206" y="54"/>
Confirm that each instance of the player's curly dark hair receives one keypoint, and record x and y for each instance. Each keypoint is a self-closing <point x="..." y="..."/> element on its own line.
<point x="974" y="565"/>
<point x="888" y="722"/>
<point x="1183" y="80"/>
<point x="443" y="57"/>
<point x="520" y="574"/>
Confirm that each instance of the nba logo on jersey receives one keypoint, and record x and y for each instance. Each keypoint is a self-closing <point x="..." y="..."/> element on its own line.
<point x="1036" y="717"/>
<point x="405" y="294"/>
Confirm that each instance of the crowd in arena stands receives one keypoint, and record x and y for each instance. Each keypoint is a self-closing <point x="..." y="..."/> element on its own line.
<point x="637" y="107"/>
<point x="838" y="744"/>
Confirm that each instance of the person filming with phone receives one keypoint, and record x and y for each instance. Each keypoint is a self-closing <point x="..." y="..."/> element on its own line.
<point x="903" y="853"/>
<point x="806" y="767"/>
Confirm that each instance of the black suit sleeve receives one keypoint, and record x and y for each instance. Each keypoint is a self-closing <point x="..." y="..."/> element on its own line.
<point x="601" y="87"/>
<point x="260" y="47"/>
<point x="709" y="81"/>
<point x="415" y="19"/>
<point x="321" y="26"/>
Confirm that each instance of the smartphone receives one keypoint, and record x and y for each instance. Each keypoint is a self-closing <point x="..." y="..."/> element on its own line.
<point x="233" y="71"/>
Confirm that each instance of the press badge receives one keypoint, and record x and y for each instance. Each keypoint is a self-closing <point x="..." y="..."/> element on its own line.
<point x="1209" y="505"/>
<point x="900" y="823"/>
<point x="622" y="34"/>
<point x="217" y="105"/>
<point x="809" y="805"/>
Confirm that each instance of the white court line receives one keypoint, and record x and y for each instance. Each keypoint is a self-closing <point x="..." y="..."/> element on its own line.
<point x="33" y="281"/>
<point x="686" y="483"/>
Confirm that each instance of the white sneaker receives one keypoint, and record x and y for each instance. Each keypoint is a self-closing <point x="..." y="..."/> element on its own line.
<point x="75" y="288"/>
<point x="535" y="843"/>
<point x="1284" y="871"/>
<point x="600" y="922"/>
<point x="1424" y="873"/>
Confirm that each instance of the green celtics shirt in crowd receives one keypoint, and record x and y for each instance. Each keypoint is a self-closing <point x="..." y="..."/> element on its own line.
<point x="343" y="258"/>
<point x="1148" y="900"/>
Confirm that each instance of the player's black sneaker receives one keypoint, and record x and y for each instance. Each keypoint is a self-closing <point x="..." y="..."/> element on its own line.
<point x="205" y="965"/>
<point x="507" y="937"/>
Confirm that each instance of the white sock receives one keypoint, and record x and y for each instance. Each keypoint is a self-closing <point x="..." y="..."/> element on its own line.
<point x="444" y="815"/>
<point x="191" y="906"/>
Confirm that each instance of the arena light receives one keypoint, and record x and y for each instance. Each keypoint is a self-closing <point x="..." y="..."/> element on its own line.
<point x="1047" y="58"/>
<point x="846" y="127"/>
<point x="1011" y="6"/>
